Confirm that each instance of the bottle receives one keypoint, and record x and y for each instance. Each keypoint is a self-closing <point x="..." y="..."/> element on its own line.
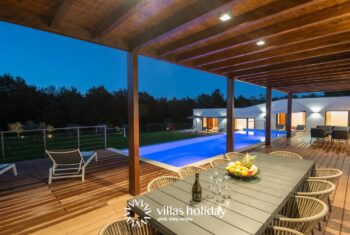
<point x="197" y="190"/>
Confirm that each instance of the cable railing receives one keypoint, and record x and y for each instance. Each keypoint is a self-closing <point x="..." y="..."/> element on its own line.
<point x="31" y="144"/>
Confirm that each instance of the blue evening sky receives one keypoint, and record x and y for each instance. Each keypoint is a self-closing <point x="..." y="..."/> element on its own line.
<point x="44" y="59"/>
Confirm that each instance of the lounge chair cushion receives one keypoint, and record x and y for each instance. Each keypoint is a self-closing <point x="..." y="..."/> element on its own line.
<point x="65" y="156"/>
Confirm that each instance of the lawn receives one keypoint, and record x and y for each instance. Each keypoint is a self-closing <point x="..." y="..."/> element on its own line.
<point x="117" y="141"/>
<point x="31" y="146"/>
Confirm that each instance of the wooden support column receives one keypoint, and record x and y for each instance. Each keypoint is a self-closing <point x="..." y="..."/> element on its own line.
<point x="133" y="123"/>
<point x="289" y="115"/>
<point x="268" y="116"/>
<point x="230" y="115"/>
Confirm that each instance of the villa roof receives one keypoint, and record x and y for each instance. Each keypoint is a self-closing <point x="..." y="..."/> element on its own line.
<point x="306" y="42"/>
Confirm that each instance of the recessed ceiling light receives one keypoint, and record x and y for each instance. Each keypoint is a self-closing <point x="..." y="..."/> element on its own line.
<point x="225" y="16"/>
<point x="260" y="43"/>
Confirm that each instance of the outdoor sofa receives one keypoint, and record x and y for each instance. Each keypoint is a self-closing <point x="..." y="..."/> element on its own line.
<point x="341" y="133"/>
<point x="318" y="133"/>
<point x="330" y="132"/>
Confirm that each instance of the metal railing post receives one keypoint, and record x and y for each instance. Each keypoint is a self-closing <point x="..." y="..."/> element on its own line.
<point x="124" y="132"/>
<point x="3" y="146"/>
<point x="78" y="136"/>
<point x="105" y="132"/>
<point x="44" y="138"/>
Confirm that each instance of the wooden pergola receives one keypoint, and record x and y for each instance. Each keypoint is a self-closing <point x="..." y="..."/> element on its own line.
<point x="304" y="44"/>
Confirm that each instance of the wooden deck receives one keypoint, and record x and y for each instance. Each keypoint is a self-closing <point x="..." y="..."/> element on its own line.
<point x="336" y="155"/>
<point x="29" y="205"/>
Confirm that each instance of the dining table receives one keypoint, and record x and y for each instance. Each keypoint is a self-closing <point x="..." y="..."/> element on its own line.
<point x="238" y="206"/>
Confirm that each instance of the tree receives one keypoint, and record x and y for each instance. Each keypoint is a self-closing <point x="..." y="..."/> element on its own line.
<point x="16" y="127"/>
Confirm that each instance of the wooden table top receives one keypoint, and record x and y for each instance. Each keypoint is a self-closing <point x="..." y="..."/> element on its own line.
<point x="250" y="210"/>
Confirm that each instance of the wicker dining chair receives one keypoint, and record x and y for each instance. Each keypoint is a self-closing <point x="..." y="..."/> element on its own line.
<point x="122" y="227"/>
<point x="302" y="214"/>
<point x="232" y="156"/>
<point x="161" y="182"/>
<point x="218" y="161"/>
<point x="188" y="171"/>
<point x="286" y="154"/>
<point x="281" y="231"/>
<point x="319" y="189"/>
<point x="329" y="174"/>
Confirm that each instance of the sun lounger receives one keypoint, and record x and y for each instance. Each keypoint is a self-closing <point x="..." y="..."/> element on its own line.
<point x="7" y="167"/>
<point x="69" y="163"/>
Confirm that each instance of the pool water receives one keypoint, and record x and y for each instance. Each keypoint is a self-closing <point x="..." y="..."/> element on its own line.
<point x="184" y="152"/>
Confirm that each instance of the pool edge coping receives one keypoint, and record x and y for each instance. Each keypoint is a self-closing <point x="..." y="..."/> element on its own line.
<point x="199" y="163"/>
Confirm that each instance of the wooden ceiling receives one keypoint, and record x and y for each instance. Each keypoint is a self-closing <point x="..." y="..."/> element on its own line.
<point x="307" y="43"/>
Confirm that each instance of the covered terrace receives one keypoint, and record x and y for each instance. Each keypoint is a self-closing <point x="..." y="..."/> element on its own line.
<point x="291" y="46"/>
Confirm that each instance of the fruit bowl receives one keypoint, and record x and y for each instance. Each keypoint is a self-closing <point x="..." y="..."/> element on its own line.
<point x="244" y="168"/>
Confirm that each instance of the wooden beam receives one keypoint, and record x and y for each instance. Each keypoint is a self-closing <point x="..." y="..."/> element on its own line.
<point x="305" y="70"/>
<point x="289" y="115"/>
<point x="117" y="17"/>
<point x="281" y="51"/>
<point x="218" y="29"/>
<point x="302" y="62"/>
<point x="268" y="116"/>
<point x="133" y="123"/>
<point x="324" y="74"/>
<point x="230" y="128"/>
<point x="322" y="81"/>
<point x="313" y="35"/>
<point x="317" y="88"/>
<point x="297" y="69"/>
<point x="298" y="55"/>
<point x="306" y="80"/>
<point x="193" y="14"/>
<point x="60" y="11"/>
<point x="295" y="23"/>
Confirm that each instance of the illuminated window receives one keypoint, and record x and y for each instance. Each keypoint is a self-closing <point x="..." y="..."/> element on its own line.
<point x="298" y="118"/>
<point x="337" y="118"/>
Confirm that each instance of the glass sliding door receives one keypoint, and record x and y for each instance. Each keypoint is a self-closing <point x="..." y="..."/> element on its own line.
<point x="337" y="118"/>
<point x="251" y="123"/>
<point x="281" y="119"/>
<point x="240" y="123"/>
<point x="298" y="118"/>
<point x="210" y="124"/>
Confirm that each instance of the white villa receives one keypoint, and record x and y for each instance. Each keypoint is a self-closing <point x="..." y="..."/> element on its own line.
<point x="310" y="112"/>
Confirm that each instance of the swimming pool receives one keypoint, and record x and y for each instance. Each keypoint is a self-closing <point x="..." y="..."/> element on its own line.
<point x="184" y="152"/>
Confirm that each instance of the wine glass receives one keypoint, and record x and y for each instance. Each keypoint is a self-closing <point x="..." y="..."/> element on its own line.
<point x="218" y="190"/>
<point x="226" y="190"/>
<point x="211" y="193"/>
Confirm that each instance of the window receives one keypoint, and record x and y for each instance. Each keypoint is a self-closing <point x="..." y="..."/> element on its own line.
<point x="240" y="123"/>
<point x="337" y="118"/>
<point x="244" y="123"/>
<point x="298" y="118"/>
<point x="281" y="118"/>
<point x="251" y="123"/>
<point x="211" y="123"/>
